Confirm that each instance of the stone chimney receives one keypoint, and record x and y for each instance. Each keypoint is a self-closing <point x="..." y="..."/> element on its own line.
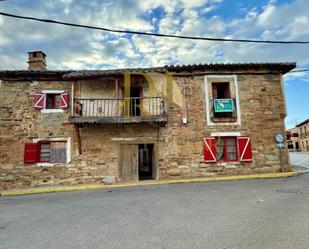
<point x="36" y="60"/>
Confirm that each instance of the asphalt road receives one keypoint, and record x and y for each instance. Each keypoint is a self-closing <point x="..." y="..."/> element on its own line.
<point x="300" y="159"/>
<point x="247" y="214"/>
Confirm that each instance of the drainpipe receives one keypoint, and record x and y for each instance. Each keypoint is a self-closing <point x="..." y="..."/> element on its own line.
<point x="185" y="120"/>
<point x="72" y="98"/>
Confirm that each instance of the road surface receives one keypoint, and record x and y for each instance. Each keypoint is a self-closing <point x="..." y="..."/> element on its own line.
<point x="300" y="159"/>
<point x="247" y="214"/>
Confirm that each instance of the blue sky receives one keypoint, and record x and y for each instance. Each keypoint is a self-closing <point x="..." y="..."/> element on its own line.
<point x="72" y="48"/>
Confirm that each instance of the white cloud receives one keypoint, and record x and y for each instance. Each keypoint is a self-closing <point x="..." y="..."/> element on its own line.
<point x="80" y="48"/>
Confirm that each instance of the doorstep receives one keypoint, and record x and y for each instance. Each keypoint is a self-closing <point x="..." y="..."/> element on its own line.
<point x="65" y="188"/>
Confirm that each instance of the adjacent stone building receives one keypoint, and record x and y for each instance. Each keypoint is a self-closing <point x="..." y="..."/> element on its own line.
<point x="303" y="129"/>
<point x="75" y="127"/>
<point x="293" y="139"/>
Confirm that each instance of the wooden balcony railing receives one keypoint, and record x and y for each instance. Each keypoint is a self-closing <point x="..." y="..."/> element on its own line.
<point x="118" y="110"/>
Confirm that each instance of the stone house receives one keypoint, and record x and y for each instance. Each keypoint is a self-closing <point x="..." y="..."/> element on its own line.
<point x="303" y="128"/>
<point x="82" y="126"/>
<point x="293" y="139"/>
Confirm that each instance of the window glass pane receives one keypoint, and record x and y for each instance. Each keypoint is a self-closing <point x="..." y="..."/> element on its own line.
<point x="230" y="141"/>
<point x="53" y="101"/>
<point x="45" y="152"/>
<point x="231" y="156"/>
<point x="49" y="101"/>
<point x="221" y="90"/>
<point x="220" y="149"/>
<point x="57" y="101"/>
<point x="231" y="149"/>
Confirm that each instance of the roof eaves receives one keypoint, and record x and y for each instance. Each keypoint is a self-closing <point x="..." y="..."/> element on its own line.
<point x="302" y="123"/>
<point x="282" y="67"/>
<point x="85" y="74"/>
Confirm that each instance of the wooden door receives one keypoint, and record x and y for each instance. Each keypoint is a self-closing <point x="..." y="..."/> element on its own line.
<point x="128" y="168"/>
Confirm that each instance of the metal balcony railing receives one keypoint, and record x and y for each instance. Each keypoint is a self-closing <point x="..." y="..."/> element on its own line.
<point x="125" y="107"/>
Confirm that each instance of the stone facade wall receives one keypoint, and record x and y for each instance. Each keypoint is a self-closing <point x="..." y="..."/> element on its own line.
<point x="20" y="124"/>
<point x="304" y="136"/>
<point x="179" y="146"/>
<point x="262" y="116"/>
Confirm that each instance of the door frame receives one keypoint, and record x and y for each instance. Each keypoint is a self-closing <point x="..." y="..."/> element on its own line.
<point x="155" y="168"/>
<point x="140" y="89"/>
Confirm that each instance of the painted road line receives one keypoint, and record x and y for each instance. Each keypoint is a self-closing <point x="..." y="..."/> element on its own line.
<point x="301" y="161"/>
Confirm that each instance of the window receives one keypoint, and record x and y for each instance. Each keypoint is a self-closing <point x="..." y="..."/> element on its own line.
<point x="46" y="151"/>
<point x="222" y="97"/>
<point x="54" y="152"/>
<point x="221" y="90"/>
<point x="227" y="149"/>
<point x="222" y="103"/>
<point x="51" y="100"/>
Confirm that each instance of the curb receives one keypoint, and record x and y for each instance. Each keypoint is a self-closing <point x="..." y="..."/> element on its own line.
<point x="303" y="172"/>
<point x="41" y="190"/>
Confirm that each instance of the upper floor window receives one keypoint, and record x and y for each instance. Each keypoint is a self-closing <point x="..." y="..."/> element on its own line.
<point x="221" y="90"/>
<point x="222" y="102"/>
<point x="51" y="100"/>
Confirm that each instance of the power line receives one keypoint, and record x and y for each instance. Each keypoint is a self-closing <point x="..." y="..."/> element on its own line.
<point x="295" y="121"/>
<point x="151" y="34"/>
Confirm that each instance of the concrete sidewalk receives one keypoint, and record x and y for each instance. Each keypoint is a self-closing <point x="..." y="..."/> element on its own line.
<point x="64" y="188"/>
<point x="297" y="168"/>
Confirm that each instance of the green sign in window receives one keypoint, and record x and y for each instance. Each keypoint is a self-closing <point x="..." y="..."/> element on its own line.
<point x="223" y="105"/>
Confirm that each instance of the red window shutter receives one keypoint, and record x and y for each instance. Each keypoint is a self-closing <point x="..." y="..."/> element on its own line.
<point x="244" y="149"/>
<point x="39" y="99"/>
<point x="32" y="153"/>
<point x="64" y="102"/>
<point x="210" y="149"/>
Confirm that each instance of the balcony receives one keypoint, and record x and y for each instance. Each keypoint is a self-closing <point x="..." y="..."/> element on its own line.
<point x="223" y="110"/>
<point x="124" y="110"/>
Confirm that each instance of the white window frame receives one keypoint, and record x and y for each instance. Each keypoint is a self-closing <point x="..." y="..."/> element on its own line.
<point x="226" y="134"/>
<point x="208" y="79"/>
<point x="68" y="141"/>
<point x="44" y="110"/>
